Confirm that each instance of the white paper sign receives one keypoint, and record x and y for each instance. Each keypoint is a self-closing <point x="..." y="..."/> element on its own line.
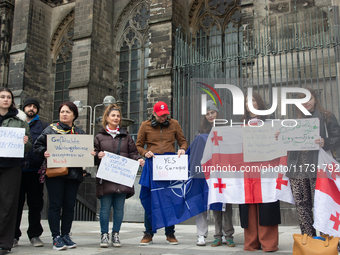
<point x="259" y="143"/>
<point x="70" y="150"/>
<point x="118" y="169"/>
<point x="12" y="142"/>
<point x="300" y="137"/>
<point x="170" y="168"/>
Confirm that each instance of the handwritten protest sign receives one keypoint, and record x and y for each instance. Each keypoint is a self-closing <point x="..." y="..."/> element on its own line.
<point x="259" y="143"/>
<point x="70" y="150"/>
<point x="170" y="168"/>
<point x="118" y="169"/>
<point x="300" y="137"/>
<point x="12" y="142"/>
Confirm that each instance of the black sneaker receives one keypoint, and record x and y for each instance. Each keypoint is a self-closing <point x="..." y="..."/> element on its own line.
<point x="115" y="240"/>
<point x="68" y="241"/>
<point x="104" y="240"/>
<point x="58" y="244"/>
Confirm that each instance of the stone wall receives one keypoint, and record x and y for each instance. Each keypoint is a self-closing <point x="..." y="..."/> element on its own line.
<point x="29" y="57"/>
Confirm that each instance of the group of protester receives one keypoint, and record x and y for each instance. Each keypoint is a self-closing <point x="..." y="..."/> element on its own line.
<point x="20" y="178"/>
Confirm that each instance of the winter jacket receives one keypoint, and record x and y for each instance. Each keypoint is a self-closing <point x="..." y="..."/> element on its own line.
<point x="40" y="146"/>
<point x="105" y="142"/>
<point x="161" y="138"/>
<point x="15" y="118"/>
<point x="32" y="161"/>
<point x="331" y="143"/>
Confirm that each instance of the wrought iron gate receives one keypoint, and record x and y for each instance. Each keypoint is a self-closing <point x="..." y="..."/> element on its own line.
<point x="299" y="49"/>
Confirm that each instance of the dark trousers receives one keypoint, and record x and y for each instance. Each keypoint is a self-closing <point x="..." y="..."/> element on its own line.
<point x="148" y="227"/>
<point x="33" y="189"/>
<point x="9" y="195"/>
<point x="62" y="194"/>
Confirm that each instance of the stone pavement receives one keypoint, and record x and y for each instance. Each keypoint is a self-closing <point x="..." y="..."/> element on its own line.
<point x="87" y="236"/>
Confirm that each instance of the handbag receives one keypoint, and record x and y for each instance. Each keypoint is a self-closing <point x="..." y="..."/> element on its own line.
<point x="56" y="171"/>
<point x="307" y="245"/>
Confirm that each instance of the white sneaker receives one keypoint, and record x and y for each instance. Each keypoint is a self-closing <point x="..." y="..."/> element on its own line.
<point x="224" y="240"/>
<point x="201" y="241"/>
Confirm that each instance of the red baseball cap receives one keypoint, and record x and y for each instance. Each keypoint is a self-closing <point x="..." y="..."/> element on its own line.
<point x="161" y="108"/>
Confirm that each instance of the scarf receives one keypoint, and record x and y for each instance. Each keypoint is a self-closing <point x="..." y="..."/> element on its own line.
<point x="112" y="132"/>
<point x="61" y="128"/>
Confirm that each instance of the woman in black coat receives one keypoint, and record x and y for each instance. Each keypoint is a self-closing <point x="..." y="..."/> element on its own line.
<point x="117" y="140"/>
<point x="62" y="190"/>
<point x="260" y="221"/>
<point x="303" y="179"/>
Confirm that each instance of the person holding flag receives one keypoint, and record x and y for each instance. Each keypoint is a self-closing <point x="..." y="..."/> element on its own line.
<point x="260" y="221"/>
<point x="223" y="219"/>
<point x="159" y="134"/>
<point x="302" y="165"/>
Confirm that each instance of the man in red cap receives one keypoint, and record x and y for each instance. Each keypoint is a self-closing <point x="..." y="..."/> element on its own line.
<point x="159" y="134"/>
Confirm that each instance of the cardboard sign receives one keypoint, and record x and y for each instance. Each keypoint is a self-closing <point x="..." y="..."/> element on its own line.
<point x="170" y="168"/>
<point x="299" y="137"/>
<point x="118" y="169"/>
<point x="12" y="142"/>
<point x="70" y="150"/>
<point x="259" y="143"/>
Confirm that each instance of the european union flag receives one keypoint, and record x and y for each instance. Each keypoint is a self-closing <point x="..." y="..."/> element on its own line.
<point x="167" y="203"/>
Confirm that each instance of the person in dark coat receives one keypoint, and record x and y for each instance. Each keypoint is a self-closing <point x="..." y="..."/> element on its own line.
<point x="30" y="184"/>
<point x="10" y="171"/>
<point x="114" y="139"/>
<point x="62" y="190"/>
<point x="303" y="180"/>
<point x="260" y="221"/>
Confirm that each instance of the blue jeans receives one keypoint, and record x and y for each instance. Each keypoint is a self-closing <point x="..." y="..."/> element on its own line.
<point x="117" y="201"/>
<point x="148" y="228"/>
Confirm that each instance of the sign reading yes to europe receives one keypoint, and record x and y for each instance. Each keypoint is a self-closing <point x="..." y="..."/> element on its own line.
<point x="300" y="136"/>
<point x="70" y="150"/>
<point x="11" y="142"/>
<point x="118" y="169"/>
<point x="170" y="168"/>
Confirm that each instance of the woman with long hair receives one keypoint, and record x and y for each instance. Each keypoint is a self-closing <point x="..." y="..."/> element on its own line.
<point x="302" y="181"/>
<point x="10" y="170"/>
<point x="62" y="190"/>
<point x="260" y="221"/>
<point x="115" y="139"/>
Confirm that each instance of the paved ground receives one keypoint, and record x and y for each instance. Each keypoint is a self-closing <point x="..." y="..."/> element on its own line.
<point x="87" y="237"/>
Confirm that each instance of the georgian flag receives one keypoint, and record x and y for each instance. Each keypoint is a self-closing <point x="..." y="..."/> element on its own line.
<point x="231" y="180"/>
<point x="327" y="195"/>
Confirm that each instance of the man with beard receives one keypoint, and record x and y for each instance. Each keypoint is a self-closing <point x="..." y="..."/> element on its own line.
<point x="30" y="184"/>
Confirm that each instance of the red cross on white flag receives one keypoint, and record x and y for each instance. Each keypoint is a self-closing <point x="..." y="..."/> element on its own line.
<point x="327" y="196"/>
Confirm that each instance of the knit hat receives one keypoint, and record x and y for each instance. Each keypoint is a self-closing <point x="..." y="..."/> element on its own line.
<point x="211" y="106"/>
<point x="31" y="100"/>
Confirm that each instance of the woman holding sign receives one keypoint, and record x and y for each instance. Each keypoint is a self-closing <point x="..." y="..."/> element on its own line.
<point x="303" y="164"/>
<point x="62" y="190"/>
<point x="10" y="169"/>
<point x="260" y="221"/>
<point x="112" y="138"/>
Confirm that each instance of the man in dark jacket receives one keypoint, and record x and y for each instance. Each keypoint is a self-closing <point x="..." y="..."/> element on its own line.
<point x="159" y="134"/>
<point x="30" y="184"/>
